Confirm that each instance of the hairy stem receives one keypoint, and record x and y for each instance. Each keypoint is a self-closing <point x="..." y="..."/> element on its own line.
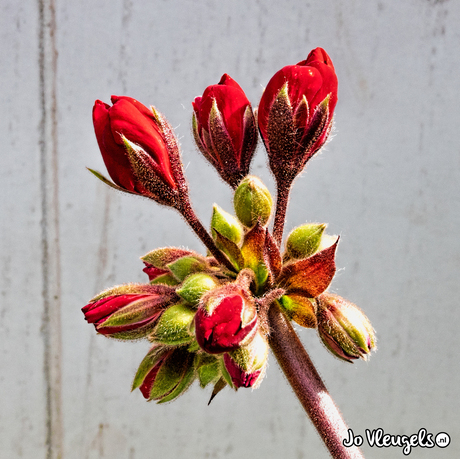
<point x="201" y="232"/>
<point x="282" y="200"/>
<point x="308" y="386"/>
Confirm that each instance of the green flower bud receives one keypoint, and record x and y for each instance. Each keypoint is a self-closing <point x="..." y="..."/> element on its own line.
<point x="194" y="286"/>
<point x="174" y="326"/>
<point x="304" y="240"/>
<point x="344" y="329"/>
<point x="227" y="225"/>
<point x="252" y="202"/>
<point x="187" y="265"/>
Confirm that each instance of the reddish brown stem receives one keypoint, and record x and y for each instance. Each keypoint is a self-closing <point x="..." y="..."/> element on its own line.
<point x="282" y="200"/>
<point x="308" y="386"/>
<point x="201" y="232"/>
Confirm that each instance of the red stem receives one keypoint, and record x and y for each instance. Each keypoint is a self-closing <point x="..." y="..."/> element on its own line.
<point x="282" y="200"/>
<point x="191" y="218"/>
<point x="308" y="386"/>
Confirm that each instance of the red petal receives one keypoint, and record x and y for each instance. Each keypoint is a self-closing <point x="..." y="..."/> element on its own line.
<point x="114" y="156"/>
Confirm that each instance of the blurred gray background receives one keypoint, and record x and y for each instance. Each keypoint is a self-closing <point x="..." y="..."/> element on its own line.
<point x="387" y="183"/>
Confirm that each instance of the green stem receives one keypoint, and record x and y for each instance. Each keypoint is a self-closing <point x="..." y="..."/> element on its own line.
<point x="308" y="386"/>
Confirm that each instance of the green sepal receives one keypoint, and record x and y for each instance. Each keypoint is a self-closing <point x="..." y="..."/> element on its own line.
<point x="225" y="374"/>
<point x="165" y="279"/>
<point x="232" y="251"/>
<point x="208" y="369"/>
<point x="220" y="384"/>
<point x="104" y="179"/>
<point x="170" y="374"/>
<point x="225" y="224"/>
<point x="183" y="385"/>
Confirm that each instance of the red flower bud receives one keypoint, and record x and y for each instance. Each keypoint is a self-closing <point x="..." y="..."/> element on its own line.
<point x="224" y="323"/>
<point x="224" y="129"/>
<point x="246" y="365"/>
<point x="140" y="150"/>
<point x="129" y="312"/>
<point x="240" y="377"/>
<point x="165" y="373"/>
<point x="295" y="113"/>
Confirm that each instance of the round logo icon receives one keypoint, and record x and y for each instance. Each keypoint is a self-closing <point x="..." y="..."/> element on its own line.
<point x="442" y="439"/>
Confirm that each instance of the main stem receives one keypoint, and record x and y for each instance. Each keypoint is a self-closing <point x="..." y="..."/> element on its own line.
<point x="308" y="386"/>
<point x="201" y="232"/>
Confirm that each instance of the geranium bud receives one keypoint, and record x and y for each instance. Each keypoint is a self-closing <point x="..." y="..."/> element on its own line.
<point x="225" y="130"/>
<point x="304" y="240"/>
<point x="174" y="326"/>
<point x="225" y="224"/>
<point x="140" y="151"/>
<point x="343" y="328"/>
<point x="195" y="286"/>
<point x="252" y="202"/>
<point x="226" y="319"/>
<point x="300" y="309"/>
<point x="295" y="113"/>
<point x="130" y="311"/>
<point x="165" y="373"/>
<point x="157" y="264"/>
<point x="183" y="267"/>
<point x="246" y="365"/>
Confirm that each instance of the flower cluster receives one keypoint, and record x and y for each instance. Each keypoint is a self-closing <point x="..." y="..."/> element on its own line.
<point x="206" y="317"/>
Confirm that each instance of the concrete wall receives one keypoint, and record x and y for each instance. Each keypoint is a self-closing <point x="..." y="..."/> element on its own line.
<point x="388" y="183"/>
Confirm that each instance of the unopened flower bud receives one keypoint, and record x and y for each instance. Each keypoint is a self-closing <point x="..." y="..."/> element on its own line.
<point x="226" y="319"/>
<point x="300" y="309"/>
<point x="174" y="326"/>
<point x="157" y="261"/>
<point x="195" y="286"/>
<point x="129" y="311"/>
<point x="165" y="373"/>
<point x="140" y="151"/>
<point x="225" y="129"/>
<point x="246" y="365"/>
<point x="252" y="202"/>
<point x="344" y="329"/>
<point x="183" y="267"/>
<point x="304" y="240"/>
